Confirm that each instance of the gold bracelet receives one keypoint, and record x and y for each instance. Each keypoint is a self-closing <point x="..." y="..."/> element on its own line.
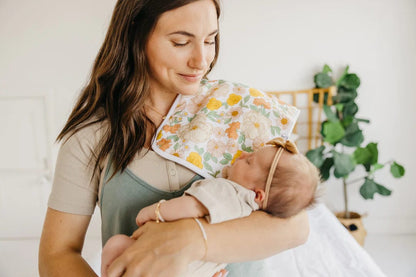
<point x="204" y="234"/>
<point x="159" y="217"/>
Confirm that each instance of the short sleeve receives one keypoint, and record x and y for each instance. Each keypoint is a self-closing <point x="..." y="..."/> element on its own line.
<point x="73" y="190"/>
<point x="224" y="199"/>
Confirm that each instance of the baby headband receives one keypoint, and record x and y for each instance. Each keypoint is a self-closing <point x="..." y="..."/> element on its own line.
<point x="282" y="145"/>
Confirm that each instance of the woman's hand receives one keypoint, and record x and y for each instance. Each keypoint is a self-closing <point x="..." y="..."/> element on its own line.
<point x="162" y="250"/>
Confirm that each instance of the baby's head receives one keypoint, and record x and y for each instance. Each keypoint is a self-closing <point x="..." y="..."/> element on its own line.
<point x="292" y="182"/>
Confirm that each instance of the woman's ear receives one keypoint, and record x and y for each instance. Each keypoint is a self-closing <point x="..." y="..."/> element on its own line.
<point x="260" y="195"/>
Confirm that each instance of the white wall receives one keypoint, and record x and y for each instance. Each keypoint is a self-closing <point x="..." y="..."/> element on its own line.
<point x="279" y="45"/>
<point x="47" y="47"/>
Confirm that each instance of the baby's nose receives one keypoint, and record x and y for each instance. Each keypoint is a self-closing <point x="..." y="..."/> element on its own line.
<point x="243" y="155"/>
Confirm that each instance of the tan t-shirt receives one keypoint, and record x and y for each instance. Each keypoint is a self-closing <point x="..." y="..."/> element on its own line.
<point x="74" y="191"/>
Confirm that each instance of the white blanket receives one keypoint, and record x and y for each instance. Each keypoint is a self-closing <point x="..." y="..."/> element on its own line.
<point x="330" y="251"/>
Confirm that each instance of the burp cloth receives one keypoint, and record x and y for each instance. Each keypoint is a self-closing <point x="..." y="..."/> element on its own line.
<point x="208" y="131"/>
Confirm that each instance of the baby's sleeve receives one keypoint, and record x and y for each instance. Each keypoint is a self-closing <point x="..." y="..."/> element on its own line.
<point x="224" y="200"/>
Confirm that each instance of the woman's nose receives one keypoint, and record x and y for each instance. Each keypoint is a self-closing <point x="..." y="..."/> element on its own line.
<point x="198" y="59"/>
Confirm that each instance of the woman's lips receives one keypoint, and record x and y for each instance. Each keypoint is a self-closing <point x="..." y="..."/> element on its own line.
<point x="191" y="77"/>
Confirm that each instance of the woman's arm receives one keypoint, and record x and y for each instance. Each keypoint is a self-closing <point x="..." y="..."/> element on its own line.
<point x="61" y="244"/>
<point x="255" y="237"/>
<point x="166" y="249"/>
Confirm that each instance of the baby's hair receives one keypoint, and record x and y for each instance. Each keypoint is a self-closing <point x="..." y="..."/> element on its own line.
<point x="293" y="188"/>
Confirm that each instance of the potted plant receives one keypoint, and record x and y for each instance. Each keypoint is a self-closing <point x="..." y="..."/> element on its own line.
<point x="342" y="152"/>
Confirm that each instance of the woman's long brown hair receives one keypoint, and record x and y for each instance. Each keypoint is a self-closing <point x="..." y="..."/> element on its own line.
<point x="119" y="86"/>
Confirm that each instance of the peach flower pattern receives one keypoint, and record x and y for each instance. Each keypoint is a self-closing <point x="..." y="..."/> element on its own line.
<point x="164" y="144"/>
<point x="208" y="131"/>
<point x="232" y="130"/>
<point x="171" y="129"/>
<point x="261" y="102"/>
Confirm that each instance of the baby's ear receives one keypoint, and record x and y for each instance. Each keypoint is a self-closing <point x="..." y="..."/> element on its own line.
<point x="260" y="195"/>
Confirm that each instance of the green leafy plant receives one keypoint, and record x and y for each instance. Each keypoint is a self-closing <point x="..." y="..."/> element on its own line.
<point x="342" y="153"/>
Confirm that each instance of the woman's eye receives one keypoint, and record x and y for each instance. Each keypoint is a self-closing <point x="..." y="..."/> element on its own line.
<point x="210" y="42"/>
<point x="179" y="44"/>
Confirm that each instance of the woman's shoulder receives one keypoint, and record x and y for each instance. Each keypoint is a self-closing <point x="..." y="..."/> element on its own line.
<point x="76" y="180"/>
<point x="87" y="137"/>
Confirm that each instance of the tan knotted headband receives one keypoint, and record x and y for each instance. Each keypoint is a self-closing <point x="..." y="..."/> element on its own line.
<point x="282" y="145"/>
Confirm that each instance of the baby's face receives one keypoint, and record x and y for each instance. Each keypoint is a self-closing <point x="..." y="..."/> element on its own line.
<point x="251" y="169"/>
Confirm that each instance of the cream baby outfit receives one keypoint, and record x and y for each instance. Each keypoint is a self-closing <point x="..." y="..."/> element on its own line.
<point x="224" y="199"/>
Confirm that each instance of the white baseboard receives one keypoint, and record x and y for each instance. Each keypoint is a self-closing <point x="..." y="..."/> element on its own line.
<point x="393" y="226"/>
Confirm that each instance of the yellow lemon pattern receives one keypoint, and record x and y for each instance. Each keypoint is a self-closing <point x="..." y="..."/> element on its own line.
<point x="256" y="93"/>
<point x="214" y="104"/>
<point x="233" y="99"/>
<point x="159" y="135"/>
<point x="236" y="156"/>
<point x="195" y="159"/>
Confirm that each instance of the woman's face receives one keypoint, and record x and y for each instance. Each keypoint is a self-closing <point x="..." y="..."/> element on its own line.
<point x="182" y="47"/>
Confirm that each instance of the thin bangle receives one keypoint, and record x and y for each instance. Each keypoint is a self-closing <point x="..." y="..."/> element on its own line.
<point x="159" y="217"/>
<point x="204" y="234"/>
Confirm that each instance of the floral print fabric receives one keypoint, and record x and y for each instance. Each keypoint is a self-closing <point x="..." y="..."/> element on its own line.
<point x="208" y="131"/>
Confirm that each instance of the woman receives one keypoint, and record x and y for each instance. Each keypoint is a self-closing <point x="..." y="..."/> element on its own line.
<point x="153" y="51"/>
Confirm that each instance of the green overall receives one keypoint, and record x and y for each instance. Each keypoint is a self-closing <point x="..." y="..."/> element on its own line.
<point x="123" y="196"/>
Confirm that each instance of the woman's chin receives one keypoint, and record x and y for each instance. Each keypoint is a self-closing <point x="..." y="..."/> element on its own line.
<point x="190" y="89"/>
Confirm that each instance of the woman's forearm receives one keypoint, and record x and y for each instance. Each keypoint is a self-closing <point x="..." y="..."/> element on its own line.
<point x="61" y="245"/>
<point x="64" y="264"/>
<point x="254" y="237"/>
<point x="166" y="249"/>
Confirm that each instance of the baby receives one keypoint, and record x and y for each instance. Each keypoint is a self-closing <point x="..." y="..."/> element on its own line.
<point x="278" y="180"/>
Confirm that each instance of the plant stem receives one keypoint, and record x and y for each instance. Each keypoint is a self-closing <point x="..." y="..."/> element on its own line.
<point x="369" y="174"/>
<point x="356" y="180"/>
<point x="347" y="212"/>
